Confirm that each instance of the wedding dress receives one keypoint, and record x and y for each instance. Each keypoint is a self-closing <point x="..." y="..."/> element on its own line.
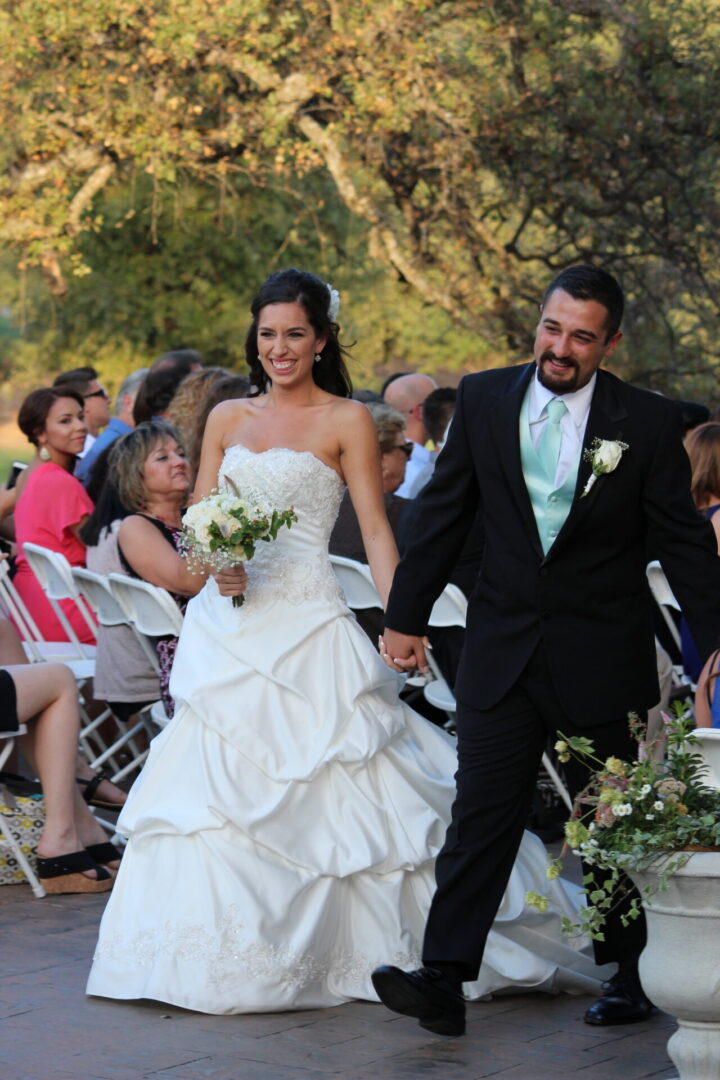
<point x="283" y="830"/>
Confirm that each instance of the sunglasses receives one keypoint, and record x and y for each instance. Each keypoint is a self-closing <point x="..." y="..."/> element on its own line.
<point x="97" y="393"/>
<point x="406" y="448"/>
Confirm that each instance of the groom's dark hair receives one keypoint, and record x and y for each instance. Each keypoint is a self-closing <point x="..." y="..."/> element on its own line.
<point x="591" y="283"/>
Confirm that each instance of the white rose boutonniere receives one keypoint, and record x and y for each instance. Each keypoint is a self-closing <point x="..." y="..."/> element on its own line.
<point x="604" y="456"/>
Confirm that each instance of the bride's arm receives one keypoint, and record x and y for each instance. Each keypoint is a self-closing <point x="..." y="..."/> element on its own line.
<point x="360" y="462"/>
<point x="213" y="449"/>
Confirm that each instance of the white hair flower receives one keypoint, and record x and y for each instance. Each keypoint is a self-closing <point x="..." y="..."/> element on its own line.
<point x="333" y="303"/>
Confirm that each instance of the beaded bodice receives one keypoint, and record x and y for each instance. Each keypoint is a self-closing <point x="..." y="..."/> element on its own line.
<point x="295" y="567"/>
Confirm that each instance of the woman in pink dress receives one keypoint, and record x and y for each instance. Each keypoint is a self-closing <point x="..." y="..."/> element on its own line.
<point x="52" y="504"/>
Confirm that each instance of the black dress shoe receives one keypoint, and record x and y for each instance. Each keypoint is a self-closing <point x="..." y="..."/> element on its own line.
<point x="623" y="1002"/>
<point x="425" y="994"/>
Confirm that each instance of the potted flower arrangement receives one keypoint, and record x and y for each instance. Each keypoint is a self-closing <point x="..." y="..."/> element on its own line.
<point x="659" y="823"/>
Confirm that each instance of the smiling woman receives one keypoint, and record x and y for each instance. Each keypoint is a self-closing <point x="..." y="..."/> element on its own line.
<point x="52" y="504"/>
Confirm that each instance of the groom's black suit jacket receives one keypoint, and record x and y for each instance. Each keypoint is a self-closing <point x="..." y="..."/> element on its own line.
<point x="587" y="600"/>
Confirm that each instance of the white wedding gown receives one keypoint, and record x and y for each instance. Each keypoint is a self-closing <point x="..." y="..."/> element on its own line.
<point x="283" y="830"/>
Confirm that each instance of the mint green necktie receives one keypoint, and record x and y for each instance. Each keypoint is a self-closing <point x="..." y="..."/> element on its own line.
<point x="548" y="447"/>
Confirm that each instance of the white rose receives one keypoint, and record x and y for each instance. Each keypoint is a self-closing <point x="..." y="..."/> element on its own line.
<point x="607" y="455"/>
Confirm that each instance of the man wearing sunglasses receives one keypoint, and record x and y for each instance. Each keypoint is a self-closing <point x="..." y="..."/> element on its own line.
<point x="96" y="398"/>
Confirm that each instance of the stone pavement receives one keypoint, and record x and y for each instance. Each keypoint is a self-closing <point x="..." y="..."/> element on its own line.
<point x="49" y="1030"/>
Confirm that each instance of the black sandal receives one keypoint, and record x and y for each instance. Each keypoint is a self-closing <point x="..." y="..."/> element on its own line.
<point x="64" y="874"/>
<point x="91" y="786"/>
<point x="104" y="853"/>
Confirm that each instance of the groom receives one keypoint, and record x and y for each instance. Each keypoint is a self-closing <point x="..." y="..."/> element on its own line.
<point x="559" y="630"/>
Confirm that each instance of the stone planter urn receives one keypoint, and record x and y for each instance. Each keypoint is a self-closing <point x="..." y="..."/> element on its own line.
<point x="709" y="740"/>
<point x="680" y="965"/>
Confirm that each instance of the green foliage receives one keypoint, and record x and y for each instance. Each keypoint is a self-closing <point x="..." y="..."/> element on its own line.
<point x="639" y="814"/>
<point x="439" y="160"/>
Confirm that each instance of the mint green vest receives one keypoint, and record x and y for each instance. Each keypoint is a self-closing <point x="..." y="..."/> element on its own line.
<point x="551" y="506"/>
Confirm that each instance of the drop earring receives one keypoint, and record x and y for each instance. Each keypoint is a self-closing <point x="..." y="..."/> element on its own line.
<point x="318" y="357"/>
<point x="44" y="453"/>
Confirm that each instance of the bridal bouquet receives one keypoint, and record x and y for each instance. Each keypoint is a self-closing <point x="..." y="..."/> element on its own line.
<point x="222" y="530"/>
<point x="632" y="813"/>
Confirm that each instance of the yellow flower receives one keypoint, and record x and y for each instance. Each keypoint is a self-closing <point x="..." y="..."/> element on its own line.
<point x="615" y="766"/>
<point x="552" y="872"/>
<point x="535" y="900"/>
<point x="562" y="750"/>
<point x="681" y="808"/>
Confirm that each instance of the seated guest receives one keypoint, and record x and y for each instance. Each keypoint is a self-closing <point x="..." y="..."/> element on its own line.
<point x="190" y="399"/>
<point x="120" y="424"/>
<point x="124" y="677"/>
<point x="707" y="695"/>
<point x="161" y="383"/>
<point x="703" y="447"/>
<point x="438" y="409"/>
<point x="228" y="388"/>
<point x="407" y="394"/>
<point x="97" y="788"/>
<point x="52" y="505"/>
<point x="346" y="538"/>
<point x="151" y="474"/>
<point x="74" y="855"/>
<point x="97" y="401"/>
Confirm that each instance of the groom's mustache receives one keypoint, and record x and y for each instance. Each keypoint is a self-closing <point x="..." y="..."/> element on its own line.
<point x="550" y="355"/>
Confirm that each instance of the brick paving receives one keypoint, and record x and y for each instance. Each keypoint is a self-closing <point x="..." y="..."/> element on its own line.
<point x="49" y="1030"/>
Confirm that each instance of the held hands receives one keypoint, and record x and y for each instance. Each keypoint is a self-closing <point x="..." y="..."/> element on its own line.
<point x="403" y="652"/>
<point x="232" y="580"/>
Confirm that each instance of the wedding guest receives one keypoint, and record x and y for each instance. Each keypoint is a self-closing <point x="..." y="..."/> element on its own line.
<point x="151" y="474"/>
<point x="52" y="504"/>
<point x="73" y="851"/>
<point x="161" y="383"/>
<point x="703" y="448"/>
<point x="707" y="695"/>
<point x="96" y="787"/>
<point x="346" y="538"/>
<point x="229" y="388"/>
<point x="407" y="394"/>
<point x="95" y="397"/>
<point x="120" y="424"/>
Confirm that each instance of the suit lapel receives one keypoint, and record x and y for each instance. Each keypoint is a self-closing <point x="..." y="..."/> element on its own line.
<point x="605" y="421"/>
<point x="505" y="420"/>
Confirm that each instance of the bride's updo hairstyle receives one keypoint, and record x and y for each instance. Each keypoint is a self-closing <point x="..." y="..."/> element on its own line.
<point x="301" y="287"/>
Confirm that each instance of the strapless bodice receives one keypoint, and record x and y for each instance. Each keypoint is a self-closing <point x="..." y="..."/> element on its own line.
<point x="296" y="566"/>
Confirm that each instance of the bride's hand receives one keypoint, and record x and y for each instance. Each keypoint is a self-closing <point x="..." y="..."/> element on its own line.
<point x="232" y="581"/>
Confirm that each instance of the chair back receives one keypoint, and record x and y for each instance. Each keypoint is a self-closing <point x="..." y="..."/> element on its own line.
<point x="450" y="608"/>
<point x="96" y="590"/>
<point x="151" y="610"/>
<point x="54" y="574"/>
<point x="356" y="582"/>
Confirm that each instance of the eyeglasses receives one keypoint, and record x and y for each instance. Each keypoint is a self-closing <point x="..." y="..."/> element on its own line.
<point x="97" y="393"/>
<point x="406" y="448"/>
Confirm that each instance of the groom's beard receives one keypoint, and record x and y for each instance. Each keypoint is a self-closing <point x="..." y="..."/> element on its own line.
<point x="557" y="383"/>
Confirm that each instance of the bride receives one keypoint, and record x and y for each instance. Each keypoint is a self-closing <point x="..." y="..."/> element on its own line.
<point x="283" y="832"/>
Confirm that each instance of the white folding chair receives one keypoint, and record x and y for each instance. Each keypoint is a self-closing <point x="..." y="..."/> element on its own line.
<point x="98" y="593"/>
<point x="78" y="657"/>
<point x="8" y="737"/>
<point x="356" y="582"/>
<point x="149" y="608"/>
<point x="55" y="578"/>
<point x="665" y="600"/>
<point x="36" y="648"/>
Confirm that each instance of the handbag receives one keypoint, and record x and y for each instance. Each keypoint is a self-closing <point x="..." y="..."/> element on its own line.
<point x="24" y="815"/>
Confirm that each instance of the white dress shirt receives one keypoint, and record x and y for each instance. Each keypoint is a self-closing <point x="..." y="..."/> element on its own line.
<point x="418" y="471"/>
<point x="572" y="425"/>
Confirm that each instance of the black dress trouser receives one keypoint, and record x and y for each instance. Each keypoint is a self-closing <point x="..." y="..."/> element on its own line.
<point x="499" y="752"/>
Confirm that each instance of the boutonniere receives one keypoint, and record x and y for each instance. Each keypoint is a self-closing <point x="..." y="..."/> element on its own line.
<point x="604" y="456"/>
